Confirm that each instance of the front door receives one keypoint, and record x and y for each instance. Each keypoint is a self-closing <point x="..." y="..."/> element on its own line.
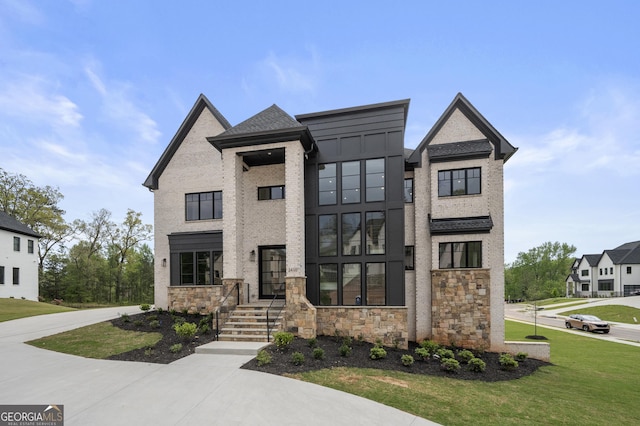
<point x="273" y="269"/>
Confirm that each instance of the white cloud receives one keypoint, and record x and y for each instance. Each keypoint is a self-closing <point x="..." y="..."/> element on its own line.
<point x="294" y="74"/>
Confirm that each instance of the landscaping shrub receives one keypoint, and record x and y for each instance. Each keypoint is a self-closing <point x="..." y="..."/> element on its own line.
<point x="154" y="324"/>
<point x="450" y="365"/>
<point x="345" y="350"/>
<point x="476" y="365"/>
<point x="313" y="342"/>
<point x="148" y="352"/>
<point x="445" y="353"/>
<point x="377" y="352"/>
<point x="407" y="360"/>
<point x="152" y="317"/>
<point x="465" y="356"/>
<point x="507" y="362"/>
<point x="430" y="346"/>
<point x="125" y="318"/>
<point x="204" y="329"/>
<point x="282" y="339"/>
<point x="138" y="323"/>
<point x="160" y="310"/>
<point x="521" y="356"/>
<point x="204" y="321"/>
<point x="186" y="330"/>
<point x="145" y="307"/>
<point x="318" y="353"/>
<point x="178" y="319"/>
<point x="176" y="348"/>
<point x="297" y="358"/>
<point x="422" y="353"/>
<point x="263" y="358"/>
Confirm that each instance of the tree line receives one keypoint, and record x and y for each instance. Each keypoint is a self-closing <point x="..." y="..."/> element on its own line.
<point x="95" y="260"/>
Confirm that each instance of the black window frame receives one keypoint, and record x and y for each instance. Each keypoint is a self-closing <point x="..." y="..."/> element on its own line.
<point x="628" y="269"/>
<point x="272" y="192"/>
<point x="327" y="184"/>
<point x="1" y="274"/>
<point x="16" y="243"/>
<point x="408" y="197"/>
<point x="409" y="258"/>
<point x="216" y="205"/>
<point x="30" y="246"/>
<point x="325" y="237"/>
<point x="214" y="275"/>
<point x="584" y="272"/>
<point x="606" y="285"/>
<point x="16" y="276"/>
<point x="452" y="253"/>
<point x="373" y="191"/>
<point x="448" y="177"/>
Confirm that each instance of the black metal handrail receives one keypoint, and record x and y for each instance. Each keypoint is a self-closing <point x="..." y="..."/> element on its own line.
<point x="269" y="328"/>
<point x="219" y="311"/>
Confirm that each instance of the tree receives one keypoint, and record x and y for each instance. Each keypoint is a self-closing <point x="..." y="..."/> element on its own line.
<point x="540" y="272"/>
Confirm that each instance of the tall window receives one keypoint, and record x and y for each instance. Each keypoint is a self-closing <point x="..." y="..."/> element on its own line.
<point x="351" y="234"/>
<point x="328" y="234"/>
<point x="16" y="243"/>
<point x="351" y="284"/>
<point x="628" y="269"/>
<point x="375" y="235"/>
<point x="408" y="190"/>
<point x="271" y="192"/>
<point x="16" y="276"/>
<point x="459" y="182"/>
<point x="30" y="246"/>
<point x="327" y="184"/>
<point x="201" y="268"/>
<point x="376" y="278"/>
<point x="350" y="182"/>
<point x="329" y="284"/>
<point x="409" y="258"/>
<point x="1" y="274"/>
<point x="375" y="179"/>
<point x="204" y="205"/>
<point x="273" y="269"/>
<point x="461" y="255"/>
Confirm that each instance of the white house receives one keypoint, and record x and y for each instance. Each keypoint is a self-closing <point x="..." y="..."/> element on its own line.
<point x="18" y="259"/>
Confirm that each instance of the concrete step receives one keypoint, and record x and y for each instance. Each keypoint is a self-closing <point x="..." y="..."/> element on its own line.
<point x="262" y="337"/>
<point x="251" y="324"/>
<point x="231" y="348"/>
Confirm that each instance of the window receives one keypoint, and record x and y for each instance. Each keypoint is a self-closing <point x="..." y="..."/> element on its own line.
<point x="376" y="279"/>
<point x="271" y="192"/>
<point x="409" y="258"/>
<point x="351" y="284"/>
<point x="1" y="274"/>
<point x="329" y="284"/>
<point x="611" y="270"/>
<point x="273" y="269"/>
<point x="327" y="185"/>
<point x="408" y="190"/>
<point x="375" y="179"/>
<point x="16" y="243"/>
<point x="628" y="269"/>
<point x="351" y="234"/>
<point x="204" y="205"/>
<point x="459" y="182"/>
<point x="351" y="182"/>
<point x="605" y="285"/>
<point x="584" y="272"/>
<point x="375" y="226"/>
<point x="600" y="271"/>
<point x="328" y="234"/>
<point x="30" y="246"/>
<point x="461" y="255"/>
<point x="201" y="268"/>
<point x="606" y="271"/>
<point x="16" y="276"/>
<point x="585" y="287"/>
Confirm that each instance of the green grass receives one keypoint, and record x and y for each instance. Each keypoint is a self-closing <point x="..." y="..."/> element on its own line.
<point x="591" y="380"/>
<point x="97" y="341"/>
<point x="615" y="313"/>
<point x="11" y="309"/>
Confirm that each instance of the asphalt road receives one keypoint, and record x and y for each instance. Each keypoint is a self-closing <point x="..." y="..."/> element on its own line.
<point x="551" y="316"/>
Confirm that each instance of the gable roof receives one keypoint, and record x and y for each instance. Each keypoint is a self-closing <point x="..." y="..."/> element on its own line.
<point x="201" y="103"/>
<point x="269" y="125"/>
<point x="628" y="253"/>
<point x="503" y="149"/>
<point x="592" y="259"/>
<point x="11" y="224"/>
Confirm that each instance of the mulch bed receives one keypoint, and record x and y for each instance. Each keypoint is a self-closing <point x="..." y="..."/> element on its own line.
<point x="281" y="359"/>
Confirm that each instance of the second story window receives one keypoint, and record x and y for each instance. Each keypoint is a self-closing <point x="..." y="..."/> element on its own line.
<point x="16" y="243"/>
<point x="408" y="190"/>
<point x="203" y="205"/>
<point x="350" y="182"/>
<point x="271" y="192"/>
<point x="584" y="272"/>
<point x="459" y="182"/>
<point x="30" y="246"/>
<point x="375" y="179"/>
<point x="327" y="184"/>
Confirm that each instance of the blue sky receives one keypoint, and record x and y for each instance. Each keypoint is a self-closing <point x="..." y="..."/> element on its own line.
<point x="91" y="92"/>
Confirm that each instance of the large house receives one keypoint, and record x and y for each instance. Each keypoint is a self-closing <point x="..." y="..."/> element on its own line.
<point x="18" y="259"/>
<point x="330" y="212"/>
<point x="611" y="273"/>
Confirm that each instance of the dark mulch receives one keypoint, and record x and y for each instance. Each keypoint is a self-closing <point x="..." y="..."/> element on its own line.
<point x="160" y="353"/>
<point x="281" y="361"/>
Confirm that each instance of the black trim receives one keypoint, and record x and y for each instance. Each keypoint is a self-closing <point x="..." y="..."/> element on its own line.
<point x="468" y="225"/>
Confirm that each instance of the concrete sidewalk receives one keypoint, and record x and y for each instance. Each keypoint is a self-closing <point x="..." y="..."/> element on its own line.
<point x="199" y="389"/>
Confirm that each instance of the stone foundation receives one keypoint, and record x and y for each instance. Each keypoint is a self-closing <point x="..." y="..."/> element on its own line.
<point x="385" y="323"/>
<point x="300" y="314"/>
<point x="194" y="298"/>
<point x="460" y="308"/>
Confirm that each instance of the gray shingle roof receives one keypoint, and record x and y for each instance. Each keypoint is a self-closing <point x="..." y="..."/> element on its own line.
<point x="461" y="225"/>
<point x="272" y="118"/>
<point x="592" y="259"/>
<point x="9" y="223"/>
<point x="479" y="148"/>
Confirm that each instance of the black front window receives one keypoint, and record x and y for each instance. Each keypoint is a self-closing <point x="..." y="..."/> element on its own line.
<point x="461" y="255"/>
<point x="16" y="243"/>
<point x="271" y="192"/>
<point x="201" y="268"/>
<point x="203" y="205"/>
<point x="459" y="182"/>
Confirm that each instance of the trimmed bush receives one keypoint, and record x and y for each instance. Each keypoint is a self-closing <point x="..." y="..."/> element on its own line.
<point x="204" y="329"/>
<point x="521" y="356"/>
<point x="282" y="339"/>
<point x="377" y="352"/>
<point x="465" y="356"/>
<point x="318" y="353"/>
<point x="138" y="323"/>
<point x="145" y="307"/>
<point x="345" y="350"/>
<point x="450" y="365"/>
<point x="263" y="358"/>
<point x="445" y="353"/>
<point x="507" y="362"/>
<point x="422" y="353"/>
<point x="313" y="342"/>
<point x="125" y="318"/>
<point x="297" y="358"/>
<point x="430" y="346"/>
<point x="186" y="330"/>
<point x="154" y="324"/>
<point x="407" y="360"/>
<point x="476" y="365"/>
<point x="176" y="348"/>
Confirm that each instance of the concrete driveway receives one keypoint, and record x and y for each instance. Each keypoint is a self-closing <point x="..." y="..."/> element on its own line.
<point x="199" y="389"/>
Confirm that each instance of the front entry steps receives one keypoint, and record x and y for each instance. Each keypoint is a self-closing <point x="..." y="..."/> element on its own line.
<point x="248" y="323"/>
<point x="231" y="348"/>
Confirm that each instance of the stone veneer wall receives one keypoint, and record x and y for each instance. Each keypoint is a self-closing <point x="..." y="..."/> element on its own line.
<point x="202" y="299"/>
<point x="300" y="314"/>
<point x="460" y="309"/>
<point x="386" y="323"/>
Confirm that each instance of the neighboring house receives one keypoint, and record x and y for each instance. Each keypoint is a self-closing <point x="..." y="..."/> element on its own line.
<point x="329" y="211"/>
<point x="18" y="259"/>
<point x="610" y="274"/>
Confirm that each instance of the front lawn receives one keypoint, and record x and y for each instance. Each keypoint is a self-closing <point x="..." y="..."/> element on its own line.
<point x="11" y="309"/>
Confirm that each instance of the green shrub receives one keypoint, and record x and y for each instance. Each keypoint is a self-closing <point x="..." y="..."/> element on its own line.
<point x="407" y="360"/>
<point x="154" y="324"/>
<point x="345" y="350"/>
<point x="263" y="358"/>
<point x="125" y="318"/>
<point x="347" y="340"/>
<point x="282" y="339"/>
<point x="148" y="352"/>
<point x="521" y="356"/>
<point x="160" y="310"/>
<point x="152" y="317"/>
<point x="430" y="346"/>
<point x="476" y="365"/>
<point x="186" y="330"/>
<point x="297" y="358"/>
<point x="422" y="353"/>
<point x="313" y="342"/>
<point x="178" y="320"/>
<point x="465" y="355"/>
<point x="204" y="329"/>
<point x="507" y="362"/>
<point x="173" y="312"/>
<point x="318" y="353"/>
<point x="185" y="311"/>
<point x="145" y="307"/>
<point x="176" y="348"/>
<point x="377" y="352"/>
<point x="445" y="353"/>
<point x="204" y="321"/>
<point x="450" y="365"/>
<point x="138" y="323"/>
